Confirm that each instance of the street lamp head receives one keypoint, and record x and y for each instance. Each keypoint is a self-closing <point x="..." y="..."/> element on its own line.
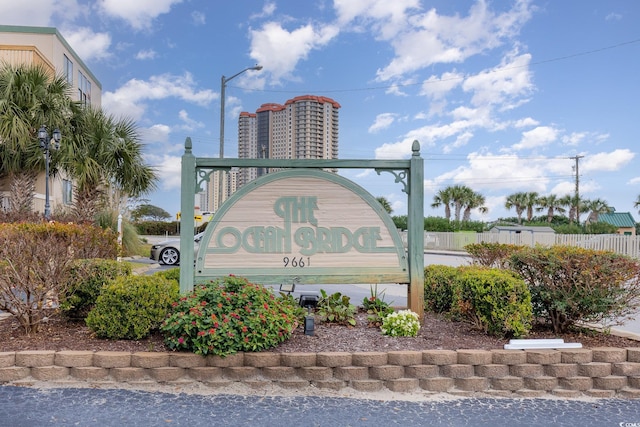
<point x="42" y="133"/>
<point x="57" y="135"/>
<point x="257" y="68"/>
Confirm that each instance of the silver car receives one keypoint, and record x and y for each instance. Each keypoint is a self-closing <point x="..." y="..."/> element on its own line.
<point x="168" y="252"/>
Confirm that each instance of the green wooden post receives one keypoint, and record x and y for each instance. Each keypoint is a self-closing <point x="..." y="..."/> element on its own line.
<point x="415" y="232"/>
<point x="187" y="220"/>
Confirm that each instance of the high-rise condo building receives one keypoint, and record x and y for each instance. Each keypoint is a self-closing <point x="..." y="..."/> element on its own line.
<point x="305" y="127"/>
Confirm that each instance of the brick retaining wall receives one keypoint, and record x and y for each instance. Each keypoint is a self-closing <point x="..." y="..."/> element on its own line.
<point x="596" y="372"/>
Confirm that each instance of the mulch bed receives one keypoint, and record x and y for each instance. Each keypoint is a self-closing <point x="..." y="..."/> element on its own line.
<point x="436" y="333"/>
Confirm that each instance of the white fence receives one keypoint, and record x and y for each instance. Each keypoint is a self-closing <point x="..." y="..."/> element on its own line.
<point x="445" y="241"/>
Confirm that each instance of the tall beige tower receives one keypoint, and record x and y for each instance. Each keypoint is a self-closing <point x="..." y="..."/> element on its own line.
<point x="305" y="127"/>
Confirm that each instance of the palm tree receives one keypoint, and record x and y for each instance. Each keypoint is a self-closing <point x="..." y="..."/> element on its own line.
<point x="460" y="197"/>
<point x="456" y="197"/>
<point x="576" y="205"/>
<point x="385" y="204"/>
<point x="637" y="202"/>
<point x="105" y="158"/>
<point x="531" y="201"/>
<point x="552" y="204"/>
<point x="597" y="207"/>
<point x="476" y="201"/>
<point x="30" y="96"/>
<point x="443" y="197"/>
<point x="517" y="201"/>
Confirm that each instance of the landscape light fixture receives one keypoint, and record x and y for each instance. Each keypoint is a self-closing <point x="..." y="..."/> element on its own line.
<point x="46" y="144"/>
<point x="309" y="301"/>
<point x="223" y="84"/>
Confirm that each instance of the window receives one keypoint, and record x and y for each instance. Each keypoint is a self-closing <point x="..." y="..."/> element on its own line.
<point x="68" y="69"/>
<point x="67" y="192"/>
<point x="84" y="89"/>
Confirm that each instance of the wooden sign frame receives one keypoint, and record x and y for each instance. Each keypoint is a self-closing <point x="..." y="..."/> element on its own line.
<point x="399" y="267"/>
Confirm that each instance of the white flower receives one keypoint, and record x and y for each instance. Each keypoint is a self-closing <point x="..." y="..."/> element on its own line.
<point x="403" y="323"/>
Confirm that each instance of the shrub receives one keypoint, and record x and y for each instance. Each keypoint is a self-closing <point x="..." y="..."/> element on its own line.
<point x="439" y="281"/>
<point x="336" y="308"/>
<point x="570" y="284"/>
<point x="36" y="261"/>
<point x="230" y="315"/>
<point x="132" y="306"/>
<point x="403" y="323"/>
<point x="171" y="274"/>
<point x="495" y="300"/>
<point x="491" y="254"/>
<point x="376" y="307"/>
<point x="87" y="279"/>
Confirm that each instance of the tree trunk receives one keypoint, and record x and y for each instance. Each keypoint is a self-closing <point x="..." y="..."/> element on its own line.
<point x="21" y="190"/>
<point x="88" y="202"/>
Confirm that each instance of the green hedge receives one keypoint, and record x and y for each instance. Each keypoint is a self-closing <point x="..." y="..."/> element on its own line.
<point x="494" y="300"/>
<point x="88" y="278"/>
<point x="133" y="306"/>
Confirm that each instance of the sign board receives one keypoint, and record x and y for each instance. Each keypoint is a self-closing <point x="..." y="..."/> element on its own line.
<point x="303" y="226"/>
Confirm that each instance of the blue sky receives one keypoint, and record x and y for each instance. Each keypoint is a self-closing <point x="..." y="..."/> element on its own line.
<point x="500" y="94"/>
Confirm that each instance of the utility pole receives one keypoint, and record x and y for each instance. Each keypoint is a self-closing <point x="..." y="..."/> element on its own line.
<point x="577" y="196"/>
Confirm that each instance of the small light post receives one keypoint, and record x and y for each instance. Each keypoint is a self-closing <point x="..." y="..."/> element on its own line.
<point x="223" y="84"/>
<point x="46" y="144"/>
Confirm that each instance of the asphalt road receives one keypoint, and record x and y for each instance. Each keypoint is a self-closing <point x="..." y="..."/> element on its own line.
<point x="26" y="407"/>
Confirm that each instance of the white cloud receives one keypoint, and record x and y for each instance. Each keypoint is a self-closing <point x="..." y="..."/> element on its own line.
<point x="394" y="150"/>
<point x="526" y="122"/>
<point x="437" y="87"/>
<point x="198" y="18"/>
<point x="169" y="170"/>
<point x="491" y="172"/>
<point x="577" y="138"/>
<point x="538" y="137"/>
<point x="38" y="13"/>
<point x="461" y="140"/>
<point x="129" y="99"/>
<point x="388" y="18"/>
<point x="395" y="89"/>
<point x="156" y="133"/>
<point x="427" y="136"/>
<point x="188" y="123"/>
<point x="280" y="50"/>
<point x="504" y="84"/>
<point x="382" y="121"/>
<point x="146" y="54"/>
<point x="139" y="13"/>
<point x="267" y="10"/>
<point x="612" y="161"/>
<point x="35" y="12"/>
<point x="634" y="181"/>
<point x="87" y="44"/>
<point x="613" y="17"/>
<point x="433" y="38"/>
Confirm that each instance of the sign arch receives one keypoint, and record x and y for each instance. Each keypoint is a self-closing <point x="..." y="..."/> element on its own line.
<point x="303" y="226"/>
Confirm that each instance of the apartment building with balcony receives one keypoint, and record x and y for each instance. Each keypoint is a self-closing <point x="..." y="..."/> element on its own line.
<point x="47" y="47"/>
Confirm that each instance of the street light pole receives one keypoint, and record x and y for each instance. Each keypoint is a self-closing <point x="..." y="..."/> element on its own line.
<point x="223" y="84"/>
<point x="46" y="144"/>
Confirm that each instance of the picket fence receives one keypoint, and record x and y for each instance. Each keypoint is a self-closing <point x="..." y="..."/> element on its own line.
<point x="447" y="241"/>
